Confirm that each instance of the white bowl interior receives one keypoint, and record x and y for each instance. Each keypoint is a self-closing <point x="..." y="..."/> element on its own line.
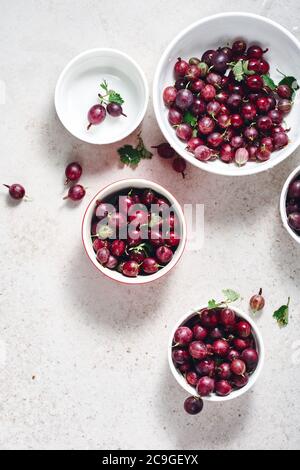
<point x="209" y="33"/>
<point x="283" y="198"/>
<point x="108" y="191"/>
<point x="78" y="87"/>
<point x="252" y="379"/>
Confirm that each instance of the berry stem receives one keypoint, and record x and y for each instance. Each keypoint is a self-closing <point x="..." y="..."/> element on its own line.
<point x="281" y="73"/>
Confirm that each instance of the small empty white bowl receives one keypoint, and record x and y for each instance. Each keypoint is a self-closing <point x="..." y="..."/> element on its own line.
<point x="78" y="87"/>
<point x="283" y="199"/>
<point x="252" y="378"/>
<point x="117" y="187"/>
<point x="215" y="31"/>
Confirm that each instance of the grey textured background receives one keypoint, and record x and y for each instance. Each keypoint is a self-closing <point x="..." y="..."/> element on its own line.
<point x="97" y="350"/>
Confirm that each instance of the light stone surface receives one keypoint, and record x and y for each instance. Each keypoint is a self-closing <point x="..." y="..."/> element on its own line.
<point x="98" y="350"/>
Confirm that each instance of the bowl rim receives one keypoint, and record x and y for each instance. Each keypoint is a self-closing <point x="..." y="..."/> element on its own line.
<point x="211" y="168"/>
<point x="140" y="280"/>
<point x="282" y="204"/>
<point x="111" y="51"/>
<point x="253" y="378"/>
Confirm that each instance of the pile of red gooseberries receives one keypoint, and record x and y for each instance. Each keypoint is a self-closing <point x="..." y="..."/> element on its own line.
<point x="216" y="352"/>
<point x="222" y="107"/>
<point x="135" y="232"/>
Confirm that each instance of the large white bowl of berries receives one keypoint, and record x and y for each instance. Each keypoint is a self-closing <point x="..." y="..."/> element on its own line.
<point x="224" y="94"/>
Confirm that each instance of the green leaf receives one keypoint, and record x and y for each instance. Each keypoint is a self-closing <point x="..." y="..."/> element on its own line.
<point x="291" y="82"/>
<point x="132" y="156"/>
<point x="143" y="247"/>
<point x="282" y="314"/>
<point x="104" y="85"/>
<point x="269" y="82"/>
<point x="238" y="70"/>
<point x="212" y="304"/>
<point x="145" y="153"/>
<point x="245" y="68"/>
<point x="189" y="118"/>
<point x="230" y="295"/>
<point x="111" y="95"/>
<point x="154" y="220"/>
<point x="114" y="97"/>
<point x="129" y="155"/>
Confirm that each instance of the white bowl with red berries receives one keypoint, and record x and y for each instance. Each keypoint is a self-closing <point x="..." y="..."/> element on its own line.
<point x="134" y="231"/>
<point x="216" y="354"/>
<point x="101" y="96"/>
<point x="290" y="205"/>
<point x="224" y="91"/>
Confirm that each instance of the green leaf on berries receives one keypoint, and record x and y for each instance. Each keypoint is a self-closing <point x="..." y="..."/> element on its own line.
<point x="245" y="68"/>
<point x="190" y="119"/>
<point x="212" y="304"/>
<point x="282" y="314"/>
<point x="269" y="82"/>
<point x="238" y="70"/>
<point x="154" y="220"/>
<point x="142" y="248"/>
<point x="114" y="97"/>
<point x="111" y="95"/>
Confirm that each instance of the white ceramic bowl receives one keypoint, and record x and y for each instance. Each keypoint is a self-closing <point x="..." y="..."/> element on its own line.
<point x="110" y="190"/>
<point x="78" y="87"/>
<point x="209" y="33"/>
<point x="252" y="379"/>
<point x="283" y="198"/>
